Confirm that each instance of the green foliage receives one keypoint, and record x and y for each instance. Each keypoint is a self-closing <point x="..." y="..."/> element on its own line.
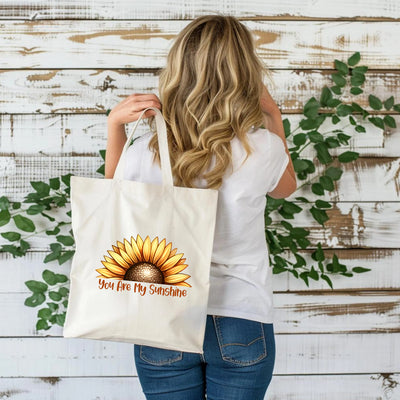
<point x="284" y="236"/>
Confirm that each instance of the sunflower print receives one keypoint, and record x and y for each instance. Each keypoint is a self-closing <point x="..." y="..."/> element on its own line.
<point x="144" y="261"/>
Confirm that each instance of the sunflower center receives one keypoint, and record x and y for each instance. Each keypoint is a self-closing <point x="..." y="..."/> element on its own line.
<point x="144" y="272"/>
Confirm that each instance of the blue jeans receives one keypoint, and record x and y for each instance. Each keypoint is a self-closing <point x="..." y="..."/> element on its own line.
<point x="238" y="360"/>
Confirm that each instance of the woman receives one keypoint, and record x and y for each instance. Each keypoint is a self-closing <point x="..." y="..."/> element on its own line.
<point x="214" y="103"/>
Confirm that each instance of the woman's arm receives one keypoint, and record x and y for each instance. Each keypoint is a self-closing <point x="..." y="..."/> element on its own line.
<point x="115" y="143"/>
<point x="273" y="122"/>
<point x="128" y="110"/>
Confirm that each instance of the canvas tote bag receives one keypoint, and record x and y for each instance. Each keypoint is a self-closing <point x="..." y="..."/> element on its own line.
<point x="141" y="268"/>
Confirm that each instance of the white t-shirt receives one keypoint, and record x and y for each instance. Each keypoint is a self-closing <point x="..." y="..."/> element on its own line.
<point x="240" y="274"/>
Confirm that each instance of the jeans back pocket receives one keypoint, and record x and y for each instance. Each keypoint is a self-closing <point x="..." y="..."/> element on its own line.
<point x="158" y="356"/>
<point x="241" y="341"/>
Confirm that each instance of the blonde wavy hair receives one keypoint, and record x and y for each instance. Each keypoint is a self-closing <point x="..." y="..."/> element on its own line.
<point x="210" y="92"/>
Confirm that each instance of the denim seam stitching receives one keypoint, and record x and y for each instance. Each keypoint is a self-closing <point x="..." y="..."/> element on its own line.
<point x="232" y="360"/>
<point x="163" y="362"/>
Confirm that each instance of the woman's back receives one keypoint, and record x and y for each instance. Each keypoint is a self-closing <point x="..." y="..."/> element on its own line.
<point x="240" y="277"/>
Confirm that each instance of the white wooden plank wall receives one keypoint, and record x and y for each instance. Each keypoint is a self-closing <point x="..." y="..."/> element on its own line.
<point x="64" y="63"/>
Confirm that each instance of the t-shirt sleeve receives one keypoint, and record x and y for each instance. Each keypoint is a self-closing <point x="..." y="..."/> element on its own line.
<point x="278" y="160"/>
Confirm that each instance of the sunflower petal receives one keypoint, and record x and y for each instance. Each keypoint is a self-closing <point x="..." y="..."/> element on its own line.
<point x="159" y="251"/>
<point x="136" y="250"/>
<point x="176" y="278"/>
<point x="182" y="284"/>
<point x="130" y="252"/>
<point x="171" y="262"/>
<point x="110" y="260"/>
<point x="164" y="255"/>
<point x="154" y="245"/>
<point x="139" y="242"/>
<point x="126" y="257"/>
<point x="105" y="272"/>
<point x="114" y="268"/>
<point x="175" y="270"/>
<point x="116" y="249"/>
<point x="146" y="248"/>
<point x="118" y="259"/>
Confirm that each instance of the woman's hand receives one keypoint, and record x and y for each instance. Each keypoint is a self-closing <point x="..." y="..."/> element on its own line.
<point x="129" y="109"/>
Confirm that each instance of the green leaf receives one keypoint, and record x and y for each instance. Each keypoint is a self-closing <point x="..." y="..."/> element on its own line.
<point x="338" y="79"/>
<point x="60" y="319"/>
<point x="389" y="121"/>
<point x="36" y="286"/>
<point x="322" y="204"/>
<point x="336" y="90"/>
<point x="42" y="188"/>
<point x="11" y="236"/>
<point x="286" y="127"/>
<point x="323" y="153"/>
<point x="44" y="313"/>
<point x="304" y="276"/>
<point x="317" y="188"/>
<point x="55" y="183"/>
<point x="327" y="279"/>
<point x="35" y="209"/>
<point x="377" y="121"/>
<point x="354" y="59"/>
<point x="388" y="103"/>
<point x="42" y="324"/>
<point x="299" y="139"/>
<point x="332" y="142"/>
<point x="333" y="102"/>
<point x="326" y="182"/>
<point x="359" y="270"/>
<point x="314" y="274"/>
<point x="65" y="240"/>
<point x="291" y="208"/>
<point x="374" y="102"/>
<point x="348" y="156"/>
<point x="343" y="138"/>
<point x="326" y="95"/>
<point x="49" y="277"/>
<point x="66" y="256"/>
<point x="311" y="108"/>
<point x="35" y="300"/>
<point x="357" y="79"/>
<point x="63" y="291"/>
<point x="356" y="90"/>
<point x="55" y="296"/>
<point x="4" y="217"/>
<point x="300" y="261"/>
<point x="23" y="223"/>
<point x="300" y="165"/>
<point x="335" y="119"/>
<point x="334" y="173"/>
<point x="315" y="136"/>
<point x="303" y="199"/>
<point x="53" y="306"/>
<point x="319" y="215"/>
<point x="66" y="179"/>
<point x="344" y="109"/>
<point x="359" y="128"/>
<point x="341" y="67"/>
<point x="318" y="254"/>
<point x="61" y="278"/>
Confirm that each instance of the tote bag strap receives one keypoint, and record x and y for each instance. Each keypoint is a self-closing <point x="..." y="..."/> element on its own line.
<point x="162" y="144"/>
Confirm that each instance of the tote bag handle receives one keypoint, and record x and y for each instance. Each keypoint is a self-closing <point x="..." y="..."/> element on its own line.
<point x="162" y="144"/>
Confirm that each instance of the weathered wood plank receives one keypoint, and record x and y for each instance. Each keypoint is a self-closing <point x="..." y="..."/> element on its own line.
<point x="384" y="274"/>
<point x="372" y="10"/>
<point x="303" y="312"/>
<point x="294" y="387"/>
<point x="295" y="354"/>
<point x="145" y="43"/>
<point x="351" y="224"/>
<point x="365" y="179"/>
<point x="94" y="90"/>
